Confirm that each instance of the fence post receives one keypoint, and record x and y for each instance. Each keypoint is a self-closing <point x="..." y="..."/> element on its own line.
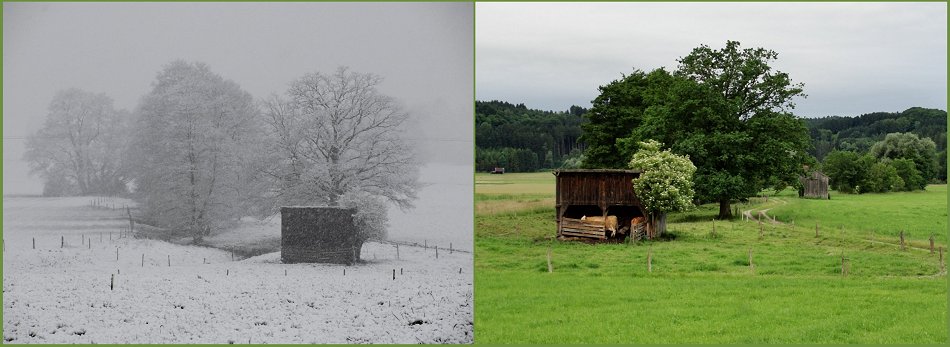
<point x="397" y="251"/>
<point x="844" y="271"/>
<point x="112" y="282"/>
<point x="131" y="222"/>
<point x="751" y="265"/>
<point x="451" y="249"/>
<point x="902" y="240"/>
<point x="931" y="243"/>
<point x="816" y="229"/>
<point x="941" y="258"/>
<point x="650" y="259"/>
<point x="550" y="268"/>
<point x="169" y="260"/>
<point x="34" y="243"/>
<point x="394" y="274"/>
<point x="62" y="241"/>
<point x="143" y="259"/>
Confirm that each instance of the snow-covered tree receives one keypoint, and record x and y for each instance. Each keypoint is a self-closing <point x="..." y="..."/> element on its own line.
<point x="666" y="182"/>
<point x="78" y="149"/>
<point x="337" y="135"/>
<point x="194" y="150"/>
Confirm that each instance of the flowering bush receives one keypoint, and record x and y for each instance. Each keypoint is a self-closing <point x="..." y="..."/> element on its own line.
<point x="666" y="181"/>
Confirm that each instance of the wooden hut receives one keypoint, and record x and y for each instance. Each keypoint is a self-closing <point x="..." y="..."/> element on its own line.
<point x="814" y="185"/>
<point x="318" y="235"/>
<point x="599" y="205"/>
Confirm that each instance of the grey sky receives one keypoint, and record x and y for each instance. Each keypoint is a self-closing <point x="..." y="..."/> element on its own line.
<point x="854" y="58"/>
<point x="423" y="50"/>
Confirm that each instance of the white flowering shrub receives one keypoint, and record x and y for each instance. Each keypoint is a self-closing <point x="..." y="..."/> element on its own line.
<point x="666" y="182"/>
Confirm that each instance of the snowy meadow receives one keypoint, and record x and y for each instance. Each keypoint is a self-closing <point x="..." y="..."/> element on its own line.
<point x="85" y="282"/>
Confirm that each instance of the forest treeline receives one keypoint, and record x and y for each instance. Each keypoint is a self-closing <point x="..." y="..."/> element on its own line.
<point x="521" y="139"/>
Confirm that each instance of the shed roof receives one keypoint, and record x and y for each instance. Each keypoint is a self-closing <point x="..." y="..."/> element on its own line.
<point x="604" y="171"/>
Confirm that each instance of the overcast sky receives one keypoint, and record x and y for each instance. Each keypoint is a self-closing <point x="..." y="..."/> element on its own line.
<point x="853" y="58"/>
<point x="423" y="50"/>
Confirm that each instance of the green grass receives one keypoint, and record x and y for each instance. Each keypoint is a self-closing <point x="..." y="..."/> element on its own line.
<point x="701" y="289"/>
<point x="919" y="214"/>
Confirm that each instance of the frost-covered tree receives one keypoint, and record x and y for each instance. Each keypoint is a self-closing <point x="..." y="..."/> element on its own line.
<point x="193" y="153"/>
<point x="340" y="142"/>
<point x="666" y="182"/>
<point x="78" y="149"/>
<point x="337" y="134"/>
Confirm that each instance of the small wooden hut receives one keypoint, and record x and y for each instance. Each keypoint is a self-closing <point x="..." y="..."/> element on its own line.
<point x="318" y="235"/>
<point x="599" y="204"/>
<point x="814" y="185"/>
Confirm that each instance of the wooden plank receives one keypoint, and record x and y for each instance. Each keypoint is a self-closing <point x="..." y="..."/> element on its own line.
<point x="582" y="227"/>
<point x="586" y="235"/>
<point x="581" y="231"/>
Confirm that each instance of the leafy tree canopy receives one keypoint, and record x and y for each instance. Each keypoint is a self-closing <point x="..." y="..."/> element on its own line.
<point x="726" y="109"/>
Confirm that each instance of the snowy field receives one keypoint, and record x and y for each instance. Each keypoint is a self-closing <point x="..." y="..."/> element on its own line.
<point x="187" y="294"/>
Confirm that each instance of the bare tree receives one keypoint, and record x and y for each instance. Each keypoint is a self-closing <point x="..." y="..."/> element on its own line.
<point x="78" y="149"/>
<point x="339" y="141"/>
<point x="195" y="135"/>
<point x="336" y="134"/>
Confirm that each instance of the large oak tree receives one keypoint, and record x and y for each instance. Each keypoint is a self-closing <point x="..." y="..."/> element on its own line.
<point x="727" y="109"/>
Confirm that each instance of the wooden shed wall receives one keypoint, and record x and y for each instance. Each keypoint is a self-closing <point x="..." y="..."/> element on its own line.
<point x="318" y="235"/>
<point x="815" y="186"/>
<point x="596" y="188"/>
<point x="611" y="191"/>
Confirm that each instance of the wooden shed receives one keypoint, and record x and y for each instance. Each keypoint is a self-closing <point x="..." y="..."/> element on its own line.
<point x="311" y="234"/>
<point x="814" y="185"/>
<point x="599" y="204"/>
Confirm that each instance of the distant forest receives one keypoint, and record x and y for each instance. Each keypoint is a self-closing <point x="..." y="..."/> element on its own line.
<point x="520" y="139"/>
<point x="858" y="134"/>
<point x="524" y="140"/>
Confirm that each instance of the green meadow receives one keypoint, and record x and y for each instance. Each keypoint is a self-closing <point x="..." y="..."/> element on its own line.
<point x="702" y="288"/>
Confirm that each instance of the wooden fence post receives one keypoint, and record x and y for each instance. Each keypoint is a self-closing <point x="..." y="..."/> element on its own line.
<point x="34" y="243"/>
<point x="751" y="265"/>
<point x="112" y="282"/>
<point x="143" y="259"/>
<point x="451" y="249"/>
<point x="816" y="229"/>
<point x="650" y="259"/>
<point x="931" y="243"/>
<point x="844" y="270"/>
<point x="131" y="222"/>
<point x="436" y="252"/>
<point x="397" y="251"/>
<point x="62" y="241"/>
<point x="394" y="274"/>
<point x="169" y="260"/>
<point x="941" y="258"/>
<point x="550" y="269"/>
<point x="902" y="240"/>
<point x="117" y="254"/>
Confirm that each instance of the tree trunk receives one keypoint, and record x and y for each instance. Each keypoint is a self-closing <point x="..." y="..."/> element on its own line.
<point x="724" y="211"/>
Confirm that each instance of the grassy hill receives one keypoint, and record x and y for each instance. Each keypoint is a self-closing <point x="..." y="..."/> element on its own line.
<point x="701" y="288"/>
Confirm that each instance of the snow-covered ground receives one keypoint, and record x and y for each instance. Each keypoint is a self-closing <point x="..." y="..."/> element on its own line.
<point x="55" y="294"/>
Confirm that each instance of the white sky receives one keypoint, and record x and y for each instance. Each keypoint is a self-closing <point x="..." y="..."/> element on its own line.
<point x="854" y="58"/>
<point x="423" y="50"/>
